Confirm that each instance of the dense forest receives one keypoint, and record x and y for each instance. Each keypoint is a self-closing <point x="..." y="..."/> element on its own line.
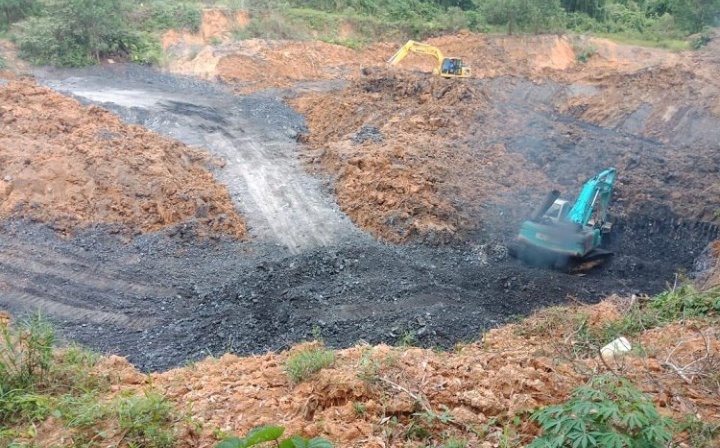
<point x="80" y="32"/>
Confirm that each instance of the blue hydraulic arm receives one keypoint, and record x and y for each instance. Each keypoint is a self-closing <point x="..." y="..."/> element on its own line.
<point x="599" y="188"/>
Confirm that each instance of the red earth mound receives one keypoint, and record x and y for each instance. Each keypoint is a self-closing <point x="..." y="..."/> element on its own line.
<point x="76" y="166"/>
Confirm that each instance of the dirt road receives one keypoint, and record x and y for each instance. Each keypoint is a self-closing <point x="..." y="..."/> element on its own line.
<point x="253" y="136"/>
<point x="167" y="297"/>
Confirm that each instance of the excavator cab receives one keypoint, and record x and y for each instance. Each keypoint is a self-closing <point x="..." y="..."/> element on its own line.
<point x="454" y="67"/>
<point x="557" y="211"/>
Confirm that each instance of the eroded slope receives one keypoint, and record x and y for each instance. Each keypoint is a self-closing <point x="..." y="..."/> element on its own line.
<point x="380" y="396"/>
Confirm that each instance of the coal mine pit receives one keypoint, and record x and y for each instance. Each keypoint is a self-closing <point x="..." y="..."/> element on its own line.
<point x="163" y="309"/>
<point x="168" y="297"/>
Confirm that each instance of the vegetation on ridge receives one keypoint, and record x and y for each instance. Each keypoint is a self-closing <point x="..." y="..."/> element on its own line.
<point x="82" y="32"/>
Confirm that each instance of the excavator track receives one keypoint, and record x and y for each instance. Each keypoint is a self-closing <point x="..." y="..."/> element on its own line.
<point x="552" y="260"/>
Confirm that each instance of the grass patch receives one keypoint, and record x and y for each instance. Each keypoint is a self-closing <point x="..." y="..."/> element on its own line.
<point x="646" y="41"/>
<point x="304" y="363"/>
<point x="38" y="382"/>
<point x="147" y="420"/>
<point x="578" y="337"/>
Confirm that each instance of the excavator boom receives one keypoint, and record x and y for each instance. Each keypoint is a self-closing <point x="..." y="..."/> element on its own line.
<point x="417" y="47"/>
<point x="594" y="197"/>
<point x="445" y="67"/>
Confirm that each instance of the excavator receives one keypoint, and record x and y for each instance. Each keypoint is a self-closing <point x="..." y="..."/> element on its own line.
<point x="446" y="67"/>
<point x="568" y="236"/>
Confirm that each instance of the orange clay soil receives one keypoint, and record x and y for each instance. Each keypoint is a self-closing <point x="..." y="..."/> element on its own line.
<point x="380" y="396"/>
<point x="405" y="187"/>
<point x="75" y="166"/>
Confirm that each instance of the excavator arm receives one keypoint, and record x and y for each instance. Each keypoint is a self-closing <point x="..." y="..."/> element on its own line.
<point x="418" y="47"/>
<point x="594" y="199"/>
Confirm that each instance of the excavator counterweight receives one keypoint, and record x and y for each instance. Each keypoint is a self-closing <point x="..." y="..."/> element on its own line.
<point x="446" y="67"/>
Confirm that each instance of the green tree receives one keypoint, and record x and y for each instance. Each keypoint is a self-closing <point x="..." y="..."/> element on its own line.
<point x="593" y="8"/>
<point x="694" y="15"/>
<point x="530" y="15"/>
<point x="76" y="32"/>
<point x="15" y="10"/>
<point x="462" y="4"/>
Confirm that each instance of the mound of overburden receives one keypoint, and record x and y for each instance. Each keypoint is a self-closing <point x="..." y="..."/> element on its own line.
<point x="397" y="144"/>
<point x="75" y="166"/>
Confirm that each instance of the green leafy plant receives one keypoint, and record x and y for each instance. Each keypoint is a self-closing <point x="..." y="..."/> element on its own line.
<point x="305" y="363"/>
<point x="699" y="433"/>
<point x="686" y="301"/>
<point x="360" y="409"/>
<point x="147" y="420"/>
<point x="25" y="365"/>
<point x="584" y="53"/>
<point x="271" y="433"/>
<point x="455" y="443"/>
<point x="25" y="353"/>
<point x="609" y="412"/>
<point x="408" y="339"/>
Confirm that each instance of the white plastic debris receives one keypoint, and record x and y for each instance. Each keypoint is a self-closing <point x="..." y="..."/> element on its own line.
<point x="616" y="347"/>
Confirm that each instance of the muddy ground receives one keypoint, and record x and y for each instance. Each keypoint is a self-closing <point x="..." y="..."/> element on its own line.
<point x="163" y="298"/>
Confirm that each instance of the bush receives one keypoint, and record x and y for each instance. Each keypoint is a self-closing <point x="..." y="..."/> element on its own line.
<point x="584" y="53"/>
<point x="162" y="15"/>
<point x="272" y="434"/>
<point x="686" y="302"/>
<point x="304" y="363"/>
<point x="75" y="32"/>
<point x="148" y="421"/>
<point x="26" y="354"/>
<point x="15" y="10"/>
<point x="608" y="412"/>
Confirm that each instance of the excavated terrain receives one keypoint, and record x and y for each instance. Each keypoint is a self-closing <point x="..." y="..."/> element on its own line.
<point x="312" y="190"/>
<point x="446" y="168"/>
<point x="381" y="396"/>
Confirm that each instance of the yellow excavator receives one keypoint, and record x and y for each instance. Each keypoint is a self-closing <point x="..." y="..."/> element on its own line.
<point x="446" y="67"/>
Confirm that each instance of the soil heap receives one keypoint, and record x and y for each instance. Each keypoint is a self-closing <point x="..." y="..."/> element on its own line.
<point x="73" y="166"/>
<point x="404" y="170"/>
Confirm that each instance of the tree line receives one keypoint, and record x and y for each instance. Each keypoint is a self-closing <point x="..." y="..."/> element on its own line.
<point x="80" y="32"/>
<point x="690" y="16"/>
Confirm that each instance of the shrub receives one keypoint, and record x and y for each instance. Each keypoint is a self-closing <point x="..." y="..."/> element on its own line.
<point x="75" y="32"/>
<point x="304" y="363"/>
<point x="147" y="420"/>
<point x="608" y="412"/>
<point x="686" y="302"/>
<point x="584" y="53"/>
<point x="272" y="434"/>
<point x="161" y="15"/>
<point x="25" y="354"/>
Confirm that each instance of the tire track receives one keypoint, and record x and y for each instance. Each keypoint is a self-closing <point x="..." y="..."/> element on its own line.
<point x="14" y="298"/>
<point x="72" y="288"/>
<point x="275" y="194"/>
<point x="79" y="274"/>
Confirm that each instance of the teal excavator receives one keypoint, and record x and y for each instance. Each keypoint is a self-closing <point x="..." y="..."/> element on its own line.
<point x="561" y="234"/>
